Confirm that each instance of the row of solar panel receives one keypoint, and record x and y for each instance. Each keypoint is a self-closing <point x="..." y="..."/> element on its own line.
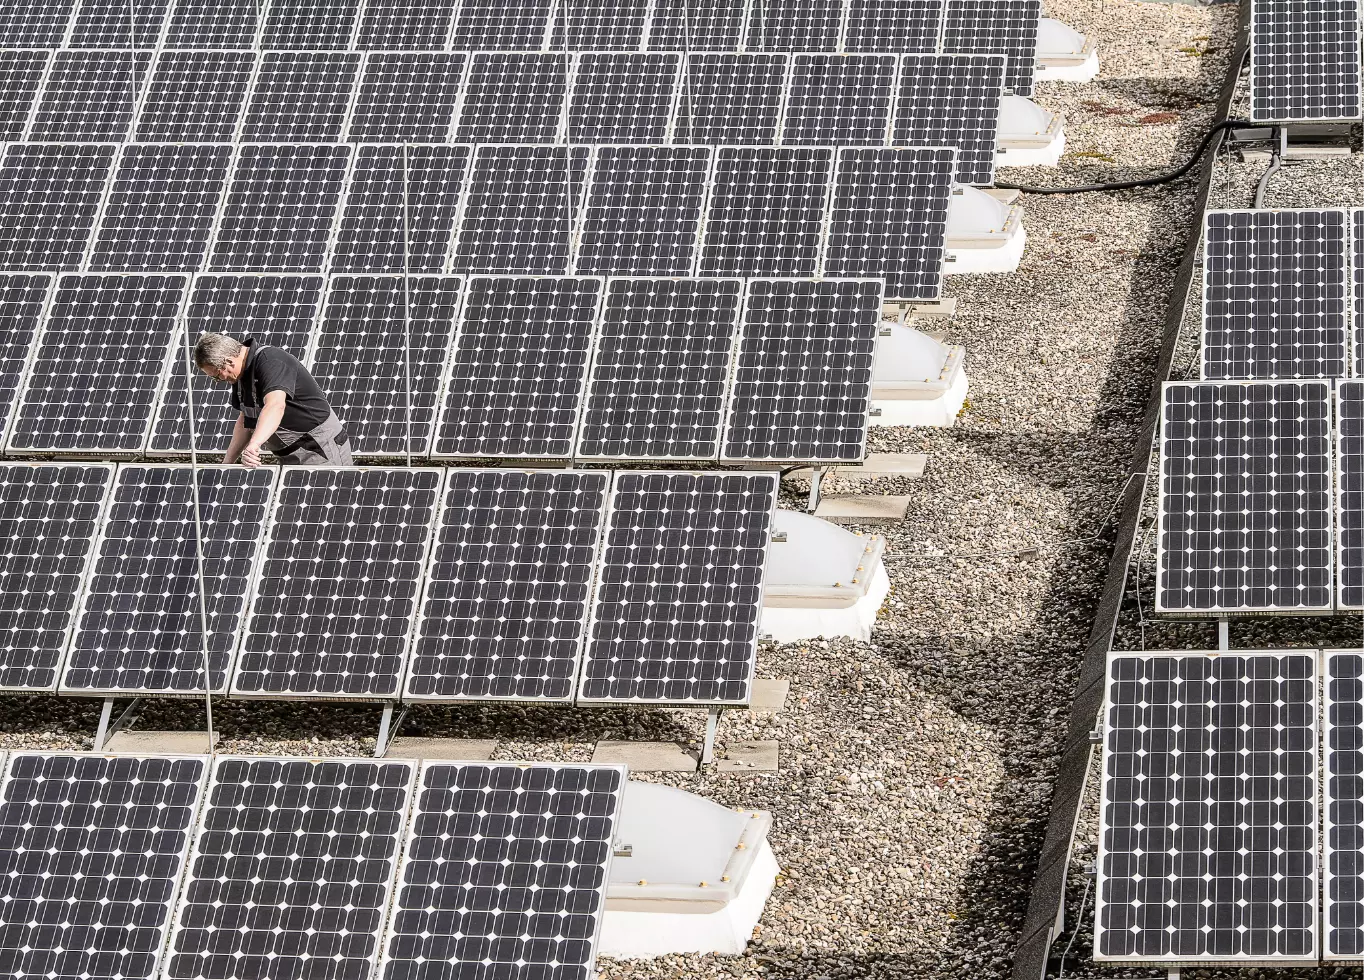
<point x="1305" y="61"/>
<point x="497" y="209"/>
<point x="516" y="97"/>
<point x="520" y="368"/>
<point x="1209" y="848"/>
<point x="380" y="584"/>
<point x="239" y="867"/>
<point x="1283" y="294"/>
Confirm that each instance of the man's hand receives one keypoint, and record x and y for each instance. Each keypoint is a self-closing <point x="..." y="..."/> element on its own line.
<point x="251" y="456"/>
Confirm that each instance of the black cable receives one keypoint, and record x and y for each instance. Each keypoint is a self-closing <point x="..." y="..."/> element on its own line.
<point x="1123" y="185"/>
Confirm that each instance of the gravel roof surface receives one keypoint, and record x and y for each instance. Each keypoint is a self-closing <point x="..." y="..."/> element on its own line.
<point x="915" y="771"/>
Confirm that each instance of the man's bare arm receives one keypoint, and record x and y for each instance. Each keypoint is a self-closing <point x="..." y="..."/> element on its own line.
<point x="240" y="435"/>
<point x="271" y="414"/>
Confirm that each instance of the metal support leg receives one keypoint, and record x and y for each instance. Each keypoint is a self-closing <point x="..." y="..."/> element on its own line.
<point x="1224" y="635"/>
<point x="388" y="729"/>
<point x="815" y="475"/>
<point x="712" y="726"/>
<point x="107" y="729"/>
<point x="101" y="733"/>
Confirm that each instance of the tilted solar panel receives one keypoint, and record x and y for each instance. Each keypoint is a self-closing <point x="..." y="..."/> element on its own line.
<point x="1304" y="60"/>
<point x="599" y="25"/>
<point x="214" y="24"/>
<point x="21" y="72"/>
<point x="622" y="98"/>
<point x="1007" y="27"/>
<point x="1358" y="266"/>
<point x="795" y="25"/>
<point x="139" y="629"/>
<point x="504" y="611"/>
<point x="696" y="25"/>
<point x="405" y="25"/>
<point x="196" y="96"/>
<point x="952" y="100"/>
<point x="309" y="25"/>
<point x="1342" y="913"/>
<point x="50" y="196"/>
<point x="843" y="100"/>
<point x="408" y="96"/>
<point x="34" y="23"/>
<point x="301" y="96"/>
<point x="90" y="96"/>
<point x="730" y="98"/>
<point x="908" y="26"/>
<point x="136" y="24"/>
<point x="514" y="97"/>
<point x="23" y="299"/>
<point x="1350" y="492"/>
<point x="495" y="25"/>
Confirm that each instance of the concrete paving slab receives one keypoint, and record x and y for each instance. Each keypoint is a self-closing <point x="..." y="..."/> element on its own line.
<point x="750" y="757"/>
<point x="877" y="465"/>
<point x="647" y="756"/>
<point x="157" y="743"/>
<point x="769" y="695"/>
<point x="852" y="509"/>
<point x="453" y="749"/>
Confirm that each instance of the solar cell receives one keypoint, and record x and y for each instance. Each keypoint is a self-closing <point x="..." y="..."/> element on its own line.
<point x="139" y="629"/>
<point x="23" y="299"/>
<point x="90" y="96"/>
<point x="504" y="610"/>
<point x="677" y="600"/>
<point x="505" y="872"/>
<point x="513" y="97"/>
<point x="277" y="310"/>
<point x="795" y="25"/>
<point x="1276" y="294"/>
<point x="334" y="600"/>
<point x="1007" y="27"/>
<point x="196" y="96"/>
<point x="1207" y="833"/>
<point x="214" y="24"/>
<point x="366" y="360"/>
<point x="690" y="25"/>
<point x="292" y="870"/>
<point x="520" y="209"/>
<point x="766" y="211"/>
<point x="310" y="25"/>
<point x="888" y="217"/>
<point x="161" y="206"/>
<point x="49" y="513"/>
<point x="839" y="99"/>
<point x="1350" y="483"/>
<point x="909" y="26"/>
<point x="1304" y="60"/>
<point x="76" y="402"/>
<point x="280" y="208"/>
<point x="495" y="25"/>
<point x="952" y="100"/>
<point x="661" y="369"/>
<point x="49" y="199"/>
<point x="94" y="847"/>
<point x="405" y="25"/>
<point x="34" y="23"/>
<point x="1245" y="511"/>
<point x="136" y="24"/>
<point x="1358" y="266"/>
<point x="1342" y="911"/>
<point x="599" y="25"/>
<point x="644" y="209"/>
<point x="301" y="96"/>
<point x="375" y="232"/>
<point x="410" y="96"/>
<point x="21" y="72"/>
<point x="803" y="374"/>
<point x="622" y="98"/>
<point x="518" y="368"/>
<point x="730" y="98"/>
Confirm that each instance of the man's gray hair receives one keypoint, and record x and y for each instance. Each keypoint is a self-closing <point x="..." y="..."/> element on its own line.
<point x="216" y="350"/>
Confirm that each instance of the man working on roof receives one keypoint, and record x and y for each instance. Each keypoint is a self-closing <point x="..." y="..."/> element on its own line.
<point x="279" y="405"/>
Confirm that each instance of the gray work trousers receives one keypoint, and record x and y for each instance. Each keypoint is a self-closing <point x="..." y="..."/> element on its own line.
<point x="325" y="445"/>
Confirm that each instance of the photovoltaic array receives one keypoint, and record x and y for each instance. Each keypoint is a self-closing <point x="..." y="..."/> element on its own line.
<point x="1304" y="61"/>
<point x="1342" y="913"/>
<point x="1350" y="488"/>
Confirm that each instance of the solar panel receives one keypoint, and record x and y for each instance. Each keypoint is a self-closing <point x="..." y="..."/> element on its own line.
<point x="1245" y="510"/>
<point x="23" y="298"/>
<point x="49" y="513"/>
<point x="1350" y="483"/>
<point x="795" y="25"/>
<point x="677" y="600"/>
<point x="367" y="361"/>
<point x="161" y="207"/>
<point x="337" y="590"/>
<point x="292" y="869"/>
<point x="1007" y="27"/>
<point x="49" y="199"/>
<point x="310" y="25"/>
<point x="689" y="25"/>
<point x="505" y="871"/>
<point x="90" y="96"/>
<point x="136" y="24"/>
<point x="518" y="368"/>
<point x="661" y="369"/>
<point x="301" y="96"/>
<point x="910" y="26"/>
<point x="622" y="98"/>
<point x="375" y="232"/>
<point x="513" y="97"/>
<point x="644" y="210"/>
<point x="277" y="310"/>
<point x="409" y="96"/>
<point x="803" y="374"/>
<point x="404" y="25"/>
<point x="1342" y="911"/>
<point x="952" y="100"/>
<point x="34" y="23"/>
<point x="214" y="24"/>
<point x="279" y="208"/>
<point x="730" y="98"/>
<point x="1207" y="832"/>
<point x="495" y="25"/>
<point x="766" y="212"/>
<point x="1276" y="294"/>
<point x="888" y="217"/>
<point x="196" y="96"/>
<point x="21" y="72"/>
<point x="138" y="629"/>
<point x="79" y="402"/>
<point x="520" y="209"/>
<point x="504" y="610"/>
<point x="839" y="99"/>
<point x="1358" y="239"/>
<point x="1304" y="61"/>
<point x="599" y="25"/>
<point x="95" y="847"/>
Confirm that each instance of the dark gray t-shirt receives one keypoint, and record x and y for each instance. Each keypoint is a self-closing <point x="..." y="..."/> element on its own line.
<point x="270" y="369"/>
